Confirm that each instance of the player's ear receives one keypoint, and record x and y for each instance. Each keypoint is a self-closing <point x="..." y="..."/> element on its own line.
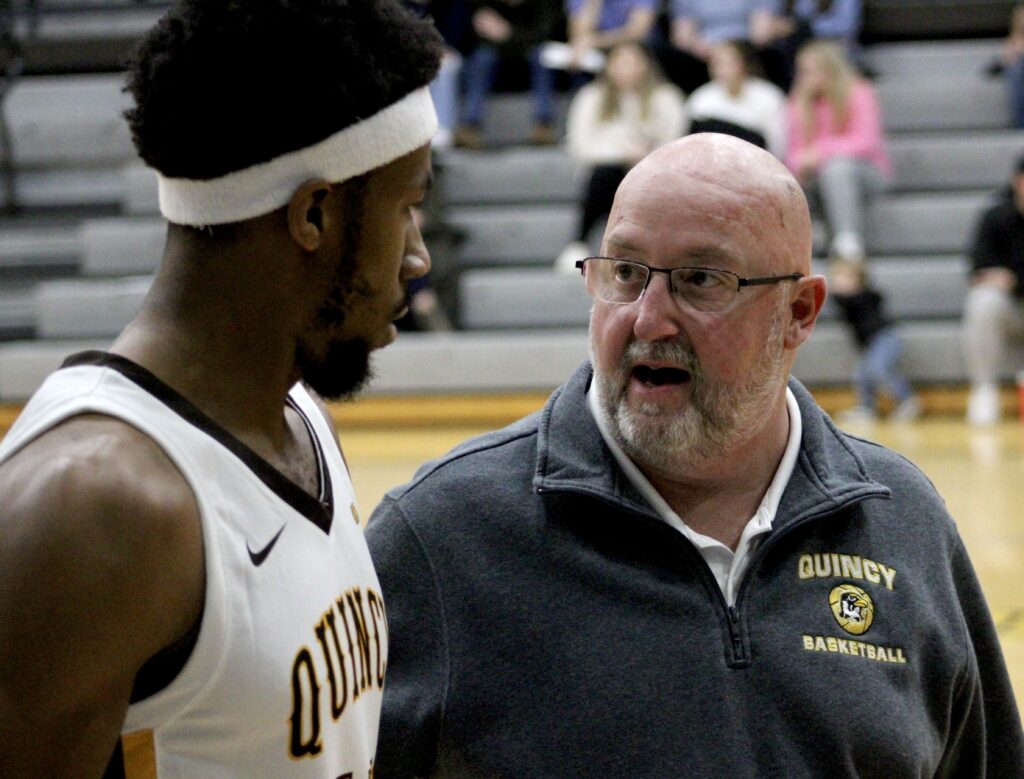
<point x="306" y="213"/>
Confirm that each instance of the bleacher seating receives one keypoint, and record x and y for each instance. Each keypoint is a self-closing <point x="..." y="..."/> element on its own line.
<point x="76" y="260"/>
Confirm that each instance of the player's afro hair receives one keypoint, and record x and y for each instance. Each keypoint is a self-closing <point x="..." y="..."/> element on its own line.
<point x="220" y="85"/>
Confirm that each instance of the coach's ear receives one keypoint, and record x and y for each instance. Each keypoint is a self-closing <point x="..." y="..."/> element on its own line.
<point x="306" y="213"/>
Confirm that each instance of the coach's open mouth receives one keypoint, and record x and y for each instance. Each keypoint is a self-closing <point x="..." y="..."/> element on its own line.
<point x="657" y="377"/>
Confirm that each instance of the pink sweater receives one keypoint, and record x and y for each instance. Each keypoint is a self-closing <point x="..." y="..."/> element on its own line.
<point x="862" y="137"/>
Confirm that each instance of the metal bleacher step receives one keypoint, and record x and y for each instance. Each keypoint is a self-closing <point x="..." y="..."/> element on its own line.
<point x="69" y="120"/>
<point x="976" y="159"/>
<point x="17" y="314"/>
<point x="952" y="102"/>
<point x="513" y="235"/>
<point x="921" y="223"/>
<point x="38" y="248"/>
<point x="67" y="187"/>
<point x="925" y="59"/>
<point x="118" y="246"/>
<point x="93" y="308"/>
<point x="515" y="175"/>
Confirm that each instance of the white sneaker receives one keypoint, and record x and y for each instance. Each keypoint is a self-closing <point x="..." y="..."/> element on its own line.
<point x="858" y="415"/>
<point x="983" y="405"/>
<point x="848" y="246"/>
<point x="558" y="56"/>
<point x="570" y="255"/>
<point x="908" y="410"/>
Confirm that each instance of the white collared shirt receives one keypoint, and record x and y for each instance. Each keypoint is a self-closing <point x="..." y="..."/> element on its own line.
<point x="727" y="566"/>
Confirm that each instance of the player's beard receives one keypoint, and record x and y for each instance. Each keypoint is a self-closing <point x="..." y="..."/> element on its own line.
<point x="715" y="421"/>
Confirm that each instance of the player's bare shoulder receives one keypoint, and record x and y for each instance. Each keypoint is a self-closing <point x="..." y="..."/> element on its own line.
<point x="102" y="559"/>
<point x="96" y="493"/>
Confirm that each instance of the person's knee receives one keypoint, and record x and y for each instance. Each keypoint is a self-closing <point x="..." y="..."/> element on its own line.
<point x="838" y="169"/>
<point x="986" y="306"/>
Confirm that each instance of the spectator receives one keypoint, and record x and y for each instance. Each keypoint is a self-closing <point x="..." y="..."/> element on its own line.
<point x="835" y="144"/>
<point x="612" y="123"/>
<point x="452" y="20"/>
<point x="994" y="310"/>
<point x="508" y="29"/>
<point x="785" y="29"/>
<point x="863" y="310"/>
<point x="1011" y="65"/>
<point x="737" y="102"/>
<point x="601" y="25"/>
<point x="695" y="26"/>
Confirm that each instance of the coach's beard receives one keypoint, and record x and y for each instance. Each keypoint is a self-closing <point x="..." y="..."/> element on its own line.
<point x="715" y="421"/>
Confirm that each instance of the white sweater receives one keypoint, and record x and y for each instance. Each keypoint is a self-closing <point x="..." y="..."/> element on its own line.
<point x="594" y="141"/>
<point x="760" y="106"/>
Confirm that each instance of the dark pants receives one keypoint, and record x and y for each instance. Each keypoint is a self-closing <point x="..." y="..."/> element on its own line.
<point x="598" y="196"/>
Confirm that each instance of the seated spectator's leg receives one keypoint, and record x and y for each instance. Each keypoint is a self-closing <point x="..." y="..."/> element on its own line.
<point x="845" y="184"/>
<point x="542" y="85"/>
<point x="1014" y="76"/>
<point x="444" y="90"/>
<point x="600" y="190"/>
<point x="865" y="382"/>
<point x="478" y="74"/>
<point x="991" y="317"/>
<point x="885" y="353"/>
<point x="682" y="68"/>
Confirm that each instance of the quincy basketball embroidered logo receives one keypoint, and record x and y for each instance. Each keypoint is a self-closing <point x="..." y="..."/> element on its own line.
<point x="852" y="608"/>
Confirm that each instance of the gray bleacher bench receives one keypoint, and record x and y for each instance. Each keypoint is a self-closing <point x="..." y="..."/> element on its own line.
<point x="927" y="59"/>
<point x="950" y="102"/>
<point x="968" y="160"/>
<point x="69" y="139"/>
<point x="87" y="309"/>
<point x="74" y="120"/>
<point x="513" y="235"/>
<point x="25" y="364"/>
<point x="526" y="176"/>
<point x="923" y="222"/>
<point x="37" y="251"/>
<point x="121" y="245"/>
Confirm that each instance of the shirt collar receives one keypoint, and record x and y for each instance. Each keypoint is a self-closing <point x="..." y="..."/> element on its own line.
<point x="763" y="518"/>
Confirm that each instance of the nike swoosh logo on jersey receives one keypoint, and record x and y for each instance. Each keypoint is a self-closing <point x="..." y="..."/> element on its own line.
<point x="258" y="557"/>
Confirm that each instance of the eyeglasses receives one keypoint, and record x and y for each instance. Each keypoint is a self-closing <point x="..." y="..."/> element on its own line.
<point x="702" y="289"/>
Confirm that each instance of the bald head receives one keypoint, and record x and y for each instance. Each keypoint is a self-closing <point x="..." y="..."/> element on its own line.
<point x="737" y="184"/>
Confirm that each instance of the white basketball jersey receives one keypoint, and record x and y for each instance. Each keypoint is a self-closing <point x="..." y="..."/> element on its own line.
<point x="286" y="673"/>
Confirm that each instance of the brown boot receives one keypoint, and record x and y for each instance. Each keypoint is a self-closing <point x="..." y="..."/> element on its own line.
<point x="543" y="135"/>
<point x="467" y="137"/>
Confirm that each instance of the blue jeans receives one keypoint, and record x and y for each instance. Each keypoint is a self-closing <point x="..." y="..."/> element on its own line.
<point x="444" y="90"/>
<point x="1014" y="76"/>
<point x="879" y="367"/>
<point x="479" y="71"/>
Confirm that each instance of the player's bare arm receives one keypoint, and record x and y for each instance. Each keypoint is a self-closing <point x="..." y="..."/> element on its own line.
<point x="102" y="559"/>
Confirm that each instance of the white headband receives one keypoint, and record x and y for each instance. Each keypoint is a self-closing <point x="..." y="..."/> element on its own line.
<point x="259" y="189"/>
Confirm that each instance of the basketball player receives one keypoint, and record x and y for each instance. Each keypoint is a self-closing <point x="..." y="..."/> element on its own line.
<point x="184" y="587"/>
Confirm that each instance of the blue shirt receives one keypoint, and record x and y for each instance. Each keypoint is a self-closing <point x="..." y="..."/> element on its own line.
<point x="720" y="20"/>
<point x="614" y="13"/>
<point x="842" y="20"/>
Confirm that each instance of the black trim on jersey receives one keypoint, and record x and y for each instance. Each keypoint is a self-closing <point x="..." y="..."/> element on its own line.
<point x="319" y="512"/>
<point x="323" y="476"/>
<point x="115" y="768"/>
